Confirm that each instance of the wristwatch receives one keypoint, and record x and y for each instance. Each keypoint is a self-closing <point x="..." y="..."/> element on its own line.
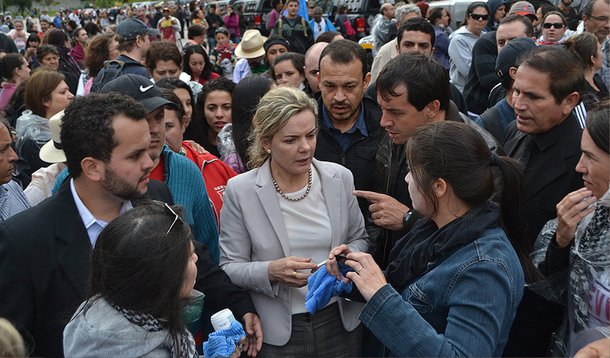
<point x="407" y="218"/>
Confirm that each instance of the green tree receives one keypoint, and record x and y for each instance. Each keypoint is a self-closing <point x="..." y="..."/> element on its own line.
<point x="48" y="3"/>
<point x="21" y="4"/>
<point x="104" y="3"/>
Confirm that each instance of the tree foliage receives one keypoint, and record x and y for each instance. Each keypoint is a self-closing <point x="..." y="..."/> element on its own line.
<point x="21" y="4"/>
<point x="104" y="3"/>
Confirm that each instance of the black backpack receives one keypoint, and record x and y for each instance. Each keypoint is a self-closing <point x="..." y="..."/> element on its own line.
<point x="111" y="70"/>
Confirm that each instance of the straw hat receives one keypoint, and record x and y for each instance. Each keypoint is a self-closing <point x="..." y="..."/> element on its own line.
<point x="52" y="151"/>
<point x="251" y="45"/>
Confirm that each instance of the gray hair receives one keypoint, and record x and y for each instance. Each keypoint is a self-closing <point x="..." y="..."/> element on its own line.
<point x="403" y="10"/>
<point x="588" y="9"/>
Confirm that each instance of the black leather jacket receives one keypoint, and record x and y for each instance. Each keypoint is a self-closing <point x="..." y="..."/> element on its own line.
<point x="359" y="158"/>
<point x="390" y="171"/>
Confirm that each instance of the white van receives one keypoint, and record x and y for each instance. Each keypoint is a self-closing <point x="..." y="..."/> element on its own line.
<point x="456" y="8"/>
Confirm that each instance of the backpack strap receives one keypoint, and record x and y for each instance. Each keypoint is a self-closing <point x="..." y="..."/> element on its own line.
<point x="305" y="26"/>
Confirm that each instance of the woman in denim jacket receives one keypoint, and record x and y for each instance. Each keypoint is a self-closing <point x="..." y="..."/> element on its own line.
<point x="454" y="282"/>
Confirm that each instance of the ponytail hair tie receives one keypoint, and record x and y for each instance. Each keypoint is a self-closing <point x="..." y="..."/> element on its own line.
<point x="494" y="160"/>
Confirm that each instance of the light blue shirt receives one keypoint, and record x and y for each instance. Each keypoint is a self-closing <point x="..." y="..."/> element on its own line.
<point x="93" y="225"/>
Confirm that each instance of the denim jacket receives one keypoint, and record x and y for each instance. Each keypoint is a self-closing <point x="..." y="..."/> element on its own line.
<point x="465" y="306"/>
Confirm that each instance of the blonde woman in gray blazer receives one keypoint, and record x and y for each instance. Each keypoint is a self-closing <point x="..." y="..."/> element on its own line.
<point x="282" y="218"/>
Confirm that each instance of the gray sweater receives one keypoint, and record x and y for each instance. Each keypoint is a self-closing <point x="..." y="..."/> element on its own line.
<point x="99" y="330"/>
<point x="460" y="53"/>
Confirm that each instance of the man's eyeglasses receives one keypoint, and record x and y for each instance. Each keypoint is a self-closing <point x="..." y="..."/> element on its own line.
<point x="479" y="17"/>
<point x="548" y="25"/>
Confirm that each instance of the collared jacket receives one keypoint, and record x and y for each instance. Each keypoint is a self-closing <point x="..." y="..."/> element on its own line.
<point x="463" y="306"/>
<point x="253" y="233"/>
<point x="185" y="182"/>
<point x="359" y="158"/>
<point x="390" y="171"/>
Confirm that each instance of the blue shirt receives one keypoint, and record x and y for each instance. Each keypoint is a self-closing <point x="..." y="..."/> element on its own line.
<point x="93" y="225"/>
<point x="347" y="138"/>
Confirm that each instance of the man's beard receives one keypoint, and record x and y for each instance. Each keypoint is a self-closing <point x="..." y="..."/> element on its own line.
<point x="118" y="187"/>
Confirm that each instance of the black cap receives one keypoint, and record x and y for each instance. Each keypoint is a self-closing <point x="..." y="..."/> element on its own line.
<point x="139" y="88"/>
<point x="509" y="55"/>
<point x="276" y="40"/>
<point x="131" y="28"/>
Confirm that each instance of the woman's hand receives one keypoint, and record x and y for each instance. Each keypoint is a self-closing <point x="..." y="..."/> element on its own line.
<point x="570" y="210"/>
<point x="30" y="53"/>
<point x="240" y="347"/>
<point x="595" y="349"/>
<point x="254" y="334"/>
<point x="198" y="148"/>
<point x="331" y="264"/>
<point x="292" y="271"/>
<point x="367" y="275"/>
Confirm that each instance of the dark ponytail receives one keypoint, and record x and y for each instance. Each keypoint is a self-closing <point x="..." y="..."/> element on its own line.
<point x="511" y="211"/>
<point x="458" y="153"/>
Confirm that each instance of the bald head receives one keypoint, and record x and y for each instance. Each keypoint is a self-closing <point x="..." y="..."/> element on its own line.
<point x="312" y="59"/>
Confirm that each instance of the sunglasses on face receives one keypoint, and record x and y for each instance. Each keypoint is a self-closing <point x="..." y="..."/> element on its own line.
<point x="479" y="17"/>
<point x="548" y="25"/>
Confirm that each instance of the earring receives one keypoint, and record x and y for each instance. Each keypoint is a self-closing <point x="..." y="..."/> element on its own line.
<point x="268" y="151"/>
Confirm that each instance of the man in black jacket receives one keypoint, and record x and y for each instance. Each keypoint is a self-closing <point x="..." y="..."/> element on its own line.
<point x="349" y="122"/>
<point x="215" y="22"/>
<point x="545" y="138"/>
<point x="412" y="91"/>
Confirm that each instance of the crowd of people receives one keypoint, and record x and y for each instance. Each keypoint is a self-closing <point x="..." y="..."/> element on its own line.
<point x="449" y="197"/>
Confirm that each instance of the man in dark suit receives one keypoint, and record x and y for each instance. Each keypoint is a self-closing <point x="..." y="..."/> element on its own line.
<point x="45" y="251"/>
<point x="545" y="138"/>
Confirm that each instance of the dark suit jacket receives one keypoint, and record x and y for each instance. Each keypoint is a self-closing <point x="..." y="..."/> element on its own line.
<point x="44" y="268"/>
<point x="550" y="173"/>
<point x="549" y="176"/>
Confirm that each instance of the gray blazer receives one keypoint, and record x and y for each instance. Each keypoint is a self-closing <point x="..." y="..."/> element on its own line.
<point x="253" y="233"/>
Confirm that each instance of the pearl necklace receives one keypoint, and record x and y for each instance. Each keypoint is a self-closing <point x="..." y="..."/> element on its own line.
<point x="279" y="191"/>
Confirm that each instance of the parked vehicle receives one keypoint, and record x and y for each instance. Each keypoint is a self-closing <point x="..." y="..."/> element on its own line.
<point x="256" y="12"/>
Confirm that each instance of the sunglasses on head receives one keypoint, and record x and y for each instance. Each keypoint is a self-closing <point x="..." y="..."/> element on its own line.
<point x="548" y="25"/>
<point x="479" y="17"/>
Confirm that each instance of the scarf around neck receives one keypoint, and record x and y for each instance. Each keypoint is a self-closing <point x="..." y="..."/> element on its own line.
<point x="183" y="345"/>
<point x="426" y="246"/>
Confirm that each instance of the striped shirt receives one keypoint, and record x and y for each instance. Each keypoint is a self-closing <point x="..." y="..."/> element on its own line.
<point x="12" y="200"/>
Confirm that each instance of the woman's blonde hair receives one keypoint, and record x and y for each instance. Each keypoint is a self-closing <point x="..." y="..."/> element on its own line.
<point x="11" y="343"/>
<point x="272" y="113"/>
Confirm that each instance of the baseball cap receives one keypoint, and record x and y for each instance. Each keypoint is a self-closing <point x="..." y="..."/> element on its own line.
<point x="523" y="8"/>
<point x="139" y="88"/>
<point x="52" y="151"/>
<point x="509" y="55"/>
<point x="132" y="28"/>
